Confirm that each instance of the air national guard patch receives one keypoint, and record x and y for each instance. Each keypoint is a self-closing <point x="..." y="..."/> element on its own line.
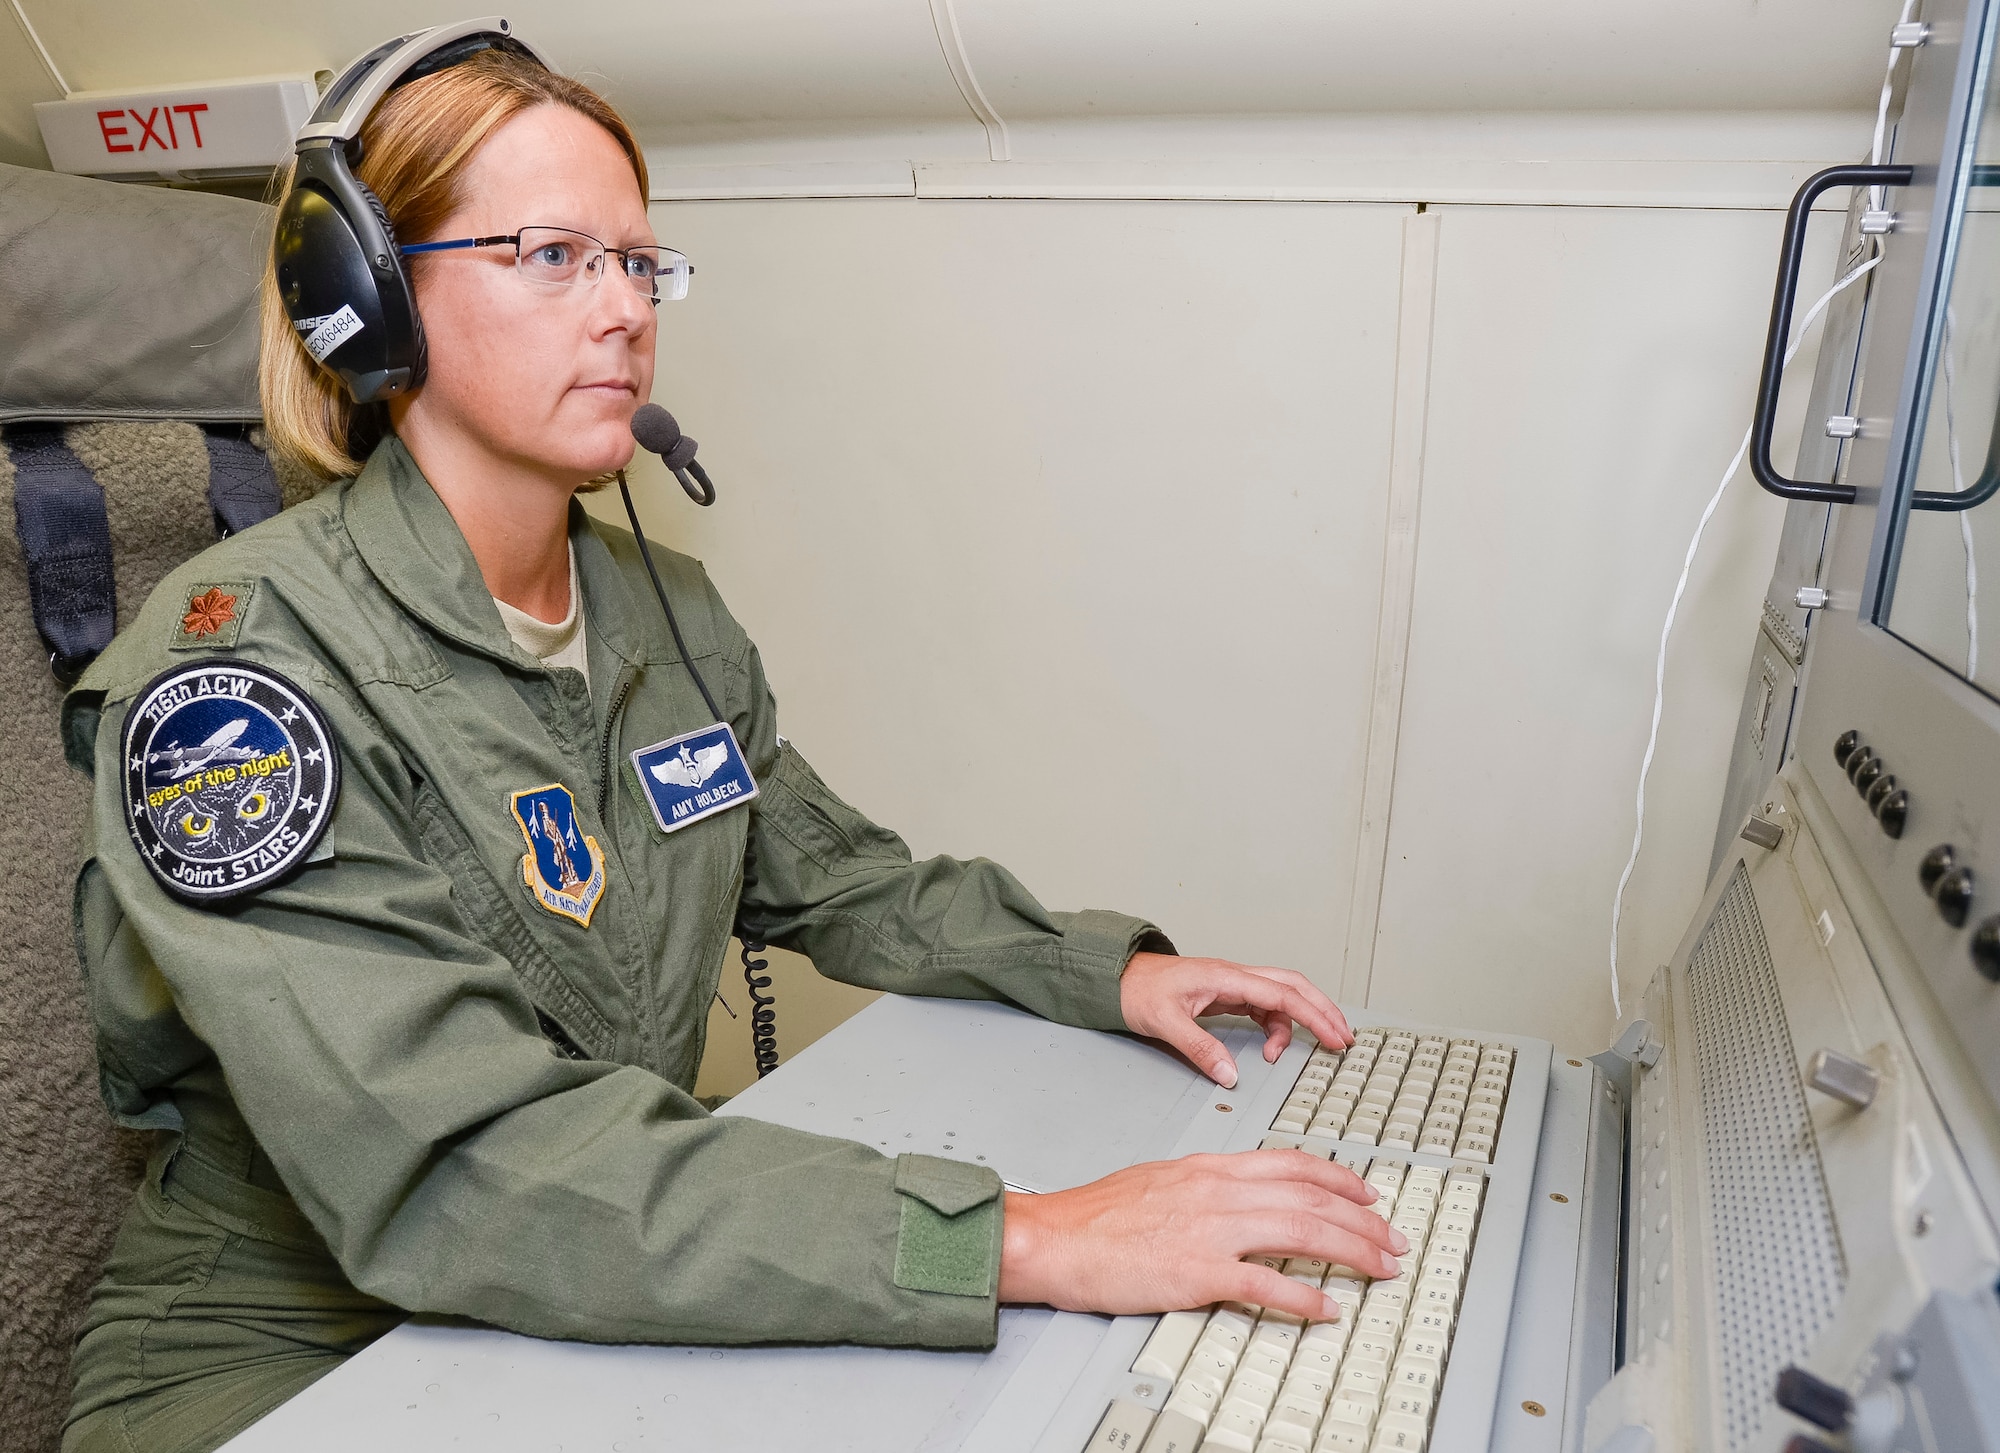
<point x="693" y="776"/>
<point x="562" y="868"/>
<point x="230" y="778"/>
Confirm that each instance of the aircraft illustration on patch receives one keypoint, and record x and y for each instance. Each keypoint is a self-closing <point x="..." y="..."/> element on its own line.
<point x="186" y="761"/>
<point x="691" y="769"/>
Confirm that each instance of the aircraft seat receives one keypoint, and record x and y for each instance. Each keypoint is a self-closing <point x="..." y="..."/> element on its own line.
<point x="128" y="384"/>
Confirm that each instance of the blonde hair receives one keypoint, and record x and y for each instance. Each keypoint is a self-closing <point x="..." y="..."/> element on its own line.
<point x="414" y="153"/>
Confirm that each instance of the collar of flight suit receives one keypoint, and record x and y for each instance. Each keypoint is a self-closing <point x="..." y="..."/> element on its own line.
<point x="412" y="545"/>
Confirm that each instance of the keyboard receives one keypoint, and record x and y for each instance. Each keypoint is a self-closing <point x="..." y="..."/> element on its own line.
<point x="1245" y="1379"/>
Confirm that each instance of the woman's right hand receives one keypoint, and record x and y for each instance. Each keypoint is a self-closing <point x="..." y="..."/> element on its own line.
<point x="1170" y="1234"/>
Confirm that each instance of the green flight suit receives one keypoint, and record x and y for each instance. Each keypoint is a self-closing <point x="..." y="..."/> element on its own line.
<point x="397" y="1082"/>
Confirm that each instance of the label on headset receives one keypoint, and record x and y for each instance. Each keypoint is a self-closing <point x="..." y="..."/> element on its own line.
<point x="324" y="334"/>
<point x="694" y="775"/>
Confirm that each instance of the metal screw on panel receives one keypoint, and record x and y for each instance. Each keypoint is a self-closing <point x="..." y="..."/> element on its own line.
<point x="1909" y="35"/>
<point x="1810" y="597"/>
<point x="1534" y="1409"/>
<point x="1877" y="224"/>
<point x="1843" y="1077"/>
<point x="1842" y="426"/>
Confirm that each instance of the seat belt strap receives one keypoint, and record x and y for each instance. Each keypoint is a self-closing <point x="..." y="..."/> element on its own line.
<point x="242" y="488"/>
<point x="65" y="535"/>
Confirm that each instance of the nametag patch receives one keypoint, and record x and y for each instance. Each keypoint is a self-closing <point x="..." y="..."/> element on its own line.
<point x="230" y="778"/>
<point x="563" y="868"/>
<point x="693" y="776"/>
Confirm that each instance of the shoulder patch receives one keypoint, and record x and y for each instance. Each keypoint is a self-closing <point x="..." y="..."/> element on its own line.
<point x="563" y="867"/>
<point x="230" y="778"/>
<point x="212" y="615"/>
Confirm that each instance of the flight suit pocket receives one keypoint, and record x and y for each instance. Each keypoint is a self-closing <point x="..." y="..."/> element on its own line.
<point x="826" y="829"/>
<point x="492" y="919"/>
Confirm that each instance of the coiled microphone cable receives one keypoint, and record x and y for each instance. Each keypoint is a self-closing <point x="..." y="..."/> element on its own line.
<point x="650" y="431"/>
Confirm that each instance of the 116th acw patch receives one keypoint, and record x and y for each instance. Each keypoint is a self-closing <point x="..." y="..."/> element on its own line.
<point x="230" y="778"/>
<point x="563" y="868"/>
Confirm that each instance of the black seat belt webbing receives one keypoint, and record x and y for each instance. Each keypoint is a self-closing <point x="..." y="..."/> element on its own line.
<point x="242" y="489"/>
<point x="65" y="536"/>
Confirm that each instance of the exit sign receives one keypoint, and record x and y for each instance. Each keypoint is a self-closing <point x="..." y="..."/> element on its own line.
<point x="230" y="126"/>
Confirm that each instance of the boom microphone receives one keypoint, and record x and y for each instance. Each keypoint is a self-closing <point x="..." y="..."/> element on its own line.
<point x="657" y="433"/>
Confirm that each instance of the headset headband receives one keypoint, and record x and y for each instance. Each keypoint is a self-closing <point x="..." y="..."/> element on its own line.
<point x="349" y="101"/>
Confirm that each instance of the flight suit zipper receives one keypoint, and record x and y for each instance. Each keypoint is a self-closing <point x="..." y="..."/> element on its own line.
<point x="604" y="747"/>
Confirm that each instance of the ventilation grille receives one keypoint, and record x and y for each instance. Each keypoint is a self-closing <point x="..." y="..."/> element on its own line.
<point x="1779" y="1271"/>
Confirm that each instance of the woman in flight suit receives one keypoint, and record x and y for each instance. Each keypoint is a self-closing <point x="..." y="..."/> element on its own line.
<point x="384" y="928"/>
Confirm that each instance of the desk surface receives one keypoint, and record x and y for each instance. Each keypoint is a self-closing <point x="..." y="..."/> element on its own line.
<point x="1046" y="1105"/>
<point x="974" y="1081"/>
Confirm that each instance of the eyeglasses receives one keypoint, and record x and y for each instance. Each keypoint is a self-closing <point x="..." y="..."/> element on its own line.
<point x="565" y="259"/>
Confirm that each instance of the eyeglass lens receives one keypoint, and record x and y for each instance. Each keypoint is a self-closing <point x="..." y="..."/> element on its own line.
<point x="563" y="258"/>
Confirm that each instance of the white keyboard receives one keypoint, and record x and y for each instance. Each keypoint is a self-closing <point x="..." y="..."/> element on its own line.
<point x="1244" y="1379"/>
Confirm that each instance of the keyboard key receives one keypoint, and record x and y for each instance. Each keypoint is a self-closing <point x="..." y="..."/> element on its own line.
<point x="1208" y="1367"/>
<point x="1252" y="1389"/>
<point x="1279" y="1330"/>
<point x="1263" y="1357"/>
<point x="1398" y="1433"/>
<point x="1166" y="1351"/>
<point x="1414" y="1402"/>
<point x="1282" y="1438"/>
<point x="1312" y="1377"/>
<point x="1234" y="1430"/>
<point x="1301" y="1409"/>
<point x="1192" y="1400"/>
<point x="1122" y="1429"/>
<point x="1415" y="1375"/>
<point x="1230" y="1329"/>
<point x="1366" y="1378"/>
<point x="1355" y="1409"/>
<point x="1174" y="1432"/>
<point x="1433" y="1317"/>
<point x="1342" y="1438"/>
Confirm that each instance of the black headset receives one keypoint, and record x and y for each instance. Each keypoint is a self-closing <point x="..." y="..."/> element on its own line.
<point x="340" y="275"/>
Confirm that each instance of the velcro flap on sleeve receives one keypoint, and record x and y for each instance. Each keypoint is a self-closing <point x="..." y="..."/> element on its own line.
<point x="948" y="1237"/>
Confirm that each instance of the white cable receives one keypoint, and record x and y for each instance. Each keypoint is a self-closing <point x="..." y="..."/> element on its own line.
<point x="1673" y="609"/>
<point x="1882" y="107"/>
<point x="48" y="61"/>
<point x="1964" y="516"/>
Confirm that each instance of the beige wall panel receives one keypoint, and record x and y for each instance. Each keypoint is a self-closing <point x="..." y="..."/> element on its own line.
<point x="1592" y="374"/>
<point x="1059" y="525"/>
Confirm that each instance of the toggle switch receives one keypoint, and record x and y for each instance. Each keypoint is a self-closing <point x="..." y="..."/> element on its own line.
<point x="1954" y="896"/>
<point x="1815" y="1399"/>
<point x="1986" y="949"/>
<point x="1763" y="833"/>
<point x="1843" y="1078"/>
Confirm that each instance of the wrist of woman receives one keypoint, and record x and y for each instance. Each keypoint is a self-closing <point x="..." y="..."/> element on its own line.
<point x="1023" y="1242"/>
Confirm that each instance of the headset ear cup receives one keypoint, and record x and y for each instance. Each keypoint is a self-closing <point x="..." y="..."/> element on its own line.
<point x="421" y="350"/>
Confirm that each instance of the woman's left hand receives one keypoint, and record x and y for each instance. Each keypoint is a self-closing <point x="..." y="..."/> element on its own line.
<point x="1160" y="996"/>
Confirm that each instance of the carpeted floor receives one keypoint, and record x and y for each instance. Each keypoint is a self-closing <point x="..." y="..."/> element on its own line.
<point x="65" y="1171"/>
